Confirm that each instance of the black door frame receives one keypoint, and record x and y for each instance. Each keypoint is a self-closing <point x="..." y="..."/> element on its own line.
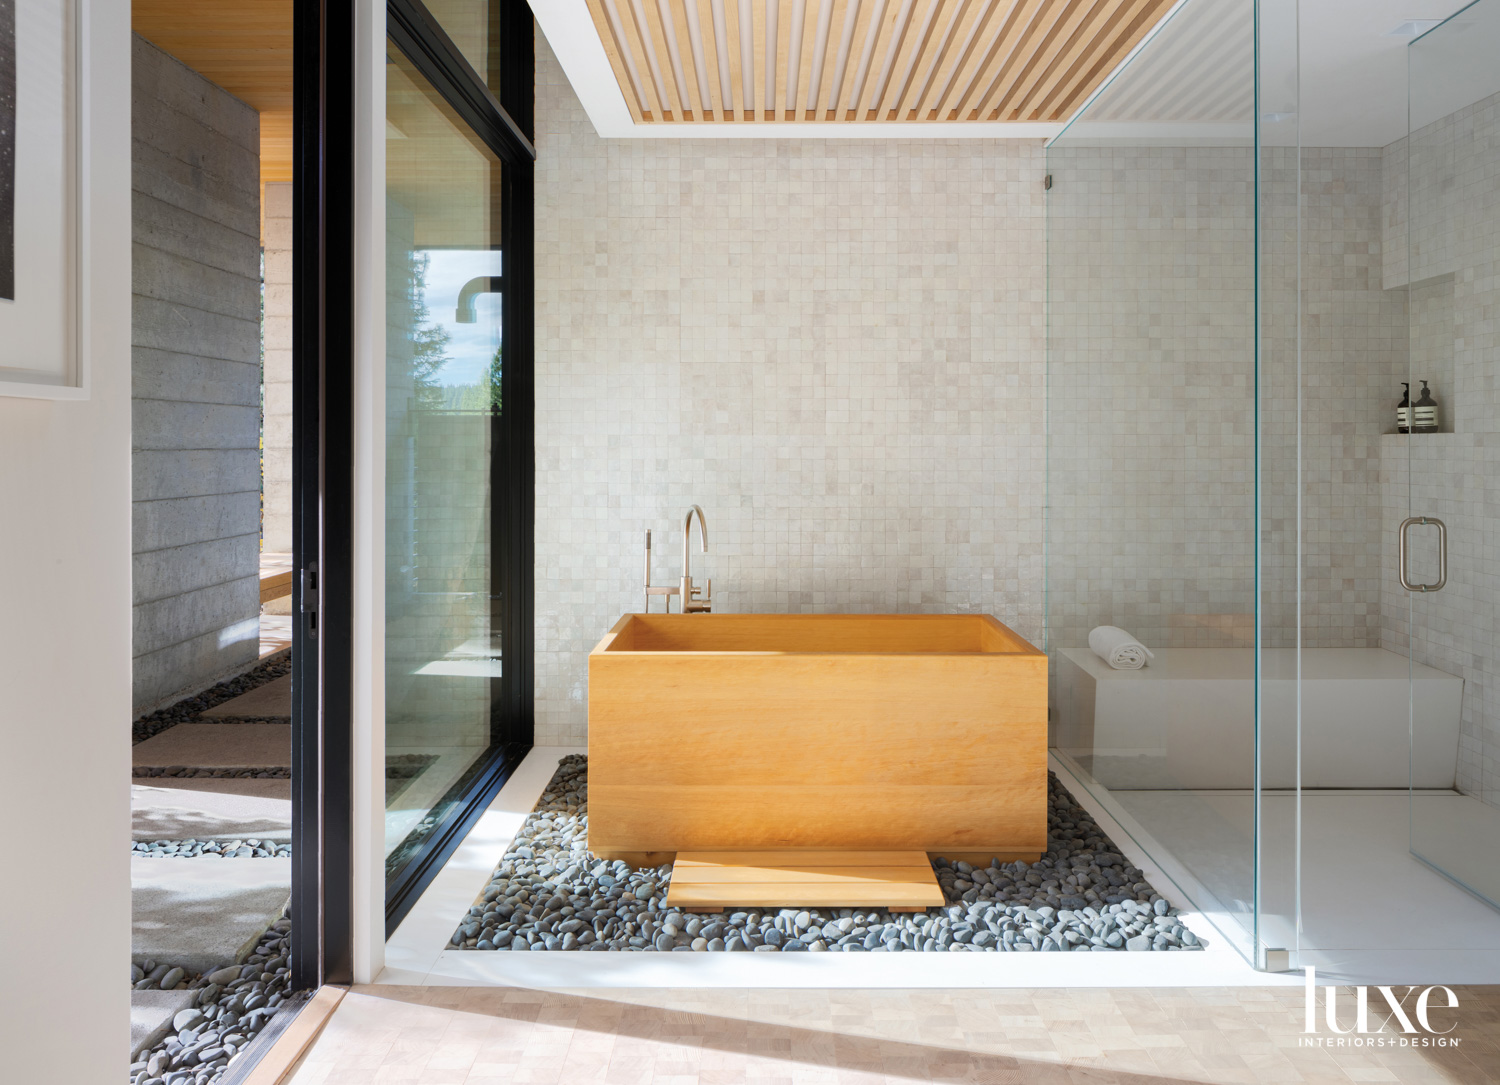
<point x="323" y="236"/>
<point x="322" y="491"/>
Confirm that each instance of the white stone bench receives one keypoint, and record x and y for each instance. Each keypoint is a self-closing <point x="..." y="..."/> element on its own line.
<point x="1187" y="720"/>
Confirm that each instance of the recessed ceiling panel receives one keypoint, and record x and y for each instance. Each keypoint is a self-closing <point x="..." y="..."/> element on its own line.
<point x="861" y="61"/>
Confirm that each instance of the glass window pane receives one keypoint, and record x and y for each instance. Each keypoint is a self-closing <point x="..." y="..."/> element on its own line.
<point x="474" y="26"/>
<point x="443" y="262"/>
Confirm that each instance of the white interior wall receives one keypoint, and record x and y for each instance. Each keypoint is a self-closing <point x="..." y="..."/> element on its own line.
<point x="65" y="648"/>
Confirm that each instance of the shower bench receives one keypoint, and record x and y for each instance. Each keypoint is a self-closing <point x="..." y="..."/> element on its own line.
<point x="1188" y="719"/>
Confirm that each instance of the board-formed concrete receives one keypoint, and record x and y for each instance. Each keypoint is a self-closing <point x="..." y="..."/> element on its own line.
<point x="203" y="913"/>
<point x="159" y="813"/>
<point x="272" y="699"/>
<point x="196" y="385"/>
<point x="218" y="746"/>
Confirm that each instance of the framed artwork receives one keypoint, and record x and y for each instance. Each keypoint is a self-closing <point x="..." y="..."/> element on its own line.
<point x="42" y="228"/>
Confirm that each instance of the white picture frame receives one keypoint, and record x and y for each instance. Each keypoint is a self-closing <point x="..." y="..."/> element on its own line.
<point x="43" y="328"/>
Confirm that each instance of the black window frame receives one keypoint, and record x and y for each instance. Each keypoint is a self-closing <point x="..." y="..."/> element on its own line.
<point x="413" y="30"/>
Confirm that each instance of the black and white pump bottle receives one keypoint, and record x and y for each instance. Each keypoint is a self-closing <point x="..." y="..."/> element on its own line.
<point x="1424" y="415"/>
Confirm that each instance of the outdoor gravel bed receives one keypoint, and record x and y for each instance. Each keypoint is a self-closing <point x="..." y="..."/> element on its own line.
<point x="249" y="848"/>
<point x="194" y="772"/>
<point x="189" y="708"/>
<point x="548" y="893"/>
<point x="233" y="1004"/>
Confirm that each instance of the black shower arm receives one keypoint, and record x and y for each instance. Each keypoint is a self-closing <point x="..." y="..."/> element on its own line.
<point x="480" y="284"/>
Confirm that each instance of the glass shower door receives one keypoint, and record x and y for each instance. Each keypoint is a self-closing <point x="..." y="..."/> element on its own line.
<point x="1151" y="477"/>
<point x="1449" y="518"/>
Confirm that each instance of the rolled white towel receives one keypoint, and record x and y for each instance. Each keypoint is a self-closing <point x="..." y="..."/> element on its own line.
<point x="1118" y="648"/>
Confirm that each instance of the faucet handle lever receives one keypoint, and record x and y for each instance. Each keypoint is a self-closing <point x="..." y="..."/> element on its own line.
<point x="703" y="594"/>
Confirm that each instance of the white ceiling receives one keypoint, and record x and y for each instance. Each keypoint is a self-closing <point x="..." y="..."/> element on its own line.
<point x="1352" y="75"/>
<point x="1354" y="72"/>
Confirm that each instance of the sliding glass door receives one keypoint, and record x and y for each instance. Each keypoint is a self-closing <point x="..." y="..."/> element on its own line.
<point x="457" y="446"/>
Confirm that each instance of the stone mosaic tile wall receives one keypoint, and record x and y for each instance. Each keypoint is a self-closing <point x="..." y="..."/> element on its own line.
<point x="835" y="347"/>
<point x="276" y="345"/>
<point x="1152" y="394"/>
<point x="1151" y="397"/>
<point x="1454" y="169"/>
<point x="1353" y="350"/>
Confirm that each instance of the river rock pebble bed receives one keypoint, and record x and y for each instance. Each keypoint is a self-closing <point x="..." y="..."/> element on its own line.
<point x="549" y="894"/>
<point x="184" y="772"/>
<point x="189" y="708"/>
<point x="234" y="1003"/>
<point x="249" y="848"/>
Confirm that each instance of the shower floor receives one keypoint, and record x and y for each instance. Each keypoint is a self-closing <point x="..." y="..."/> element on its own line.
<point x="1368" y="907"/>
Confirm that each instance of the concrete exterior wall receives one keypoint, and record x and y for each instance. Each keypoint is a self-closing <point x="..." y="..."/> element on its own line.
<point x="65" y="646"/>
<point x="276" y="521"/>
<point x="196" y="363"/>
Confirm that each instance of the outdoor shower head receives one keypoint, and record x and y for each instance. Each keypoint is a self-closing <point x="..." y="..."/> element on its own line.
<point x="479" y="284"/>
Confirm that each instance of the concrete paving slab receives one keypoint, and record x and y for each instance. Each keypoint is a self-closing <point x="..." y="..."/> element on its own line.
<point x="275" y="633"/>
<point x="204" y="913"/>
<point x="218" y="746"/>
<point x="159" y="813"/>
<point x="228" y="785"/>
<point x="151" y="1014"/>
<point x="272" y="699"/>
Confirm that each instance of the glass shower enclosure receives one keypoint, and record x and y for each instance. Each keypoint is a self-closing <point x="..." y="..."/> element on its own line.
<point x="1238" y="286"/>
<point x="1151" y="393"/>
<point x="1446" y="475"/>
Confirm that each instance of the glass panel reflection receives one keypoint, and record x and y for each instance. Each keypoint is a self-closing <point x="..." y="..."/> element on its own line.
<point x="1151" y="423"/>
<point x="473" y="26"/>
<point x="443" y="359"/>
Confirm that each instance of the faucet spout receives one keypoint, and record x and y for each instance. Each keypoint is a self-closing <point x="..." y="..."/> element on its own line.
<point x="689" y="593"/>
<point x="687" y="535"/>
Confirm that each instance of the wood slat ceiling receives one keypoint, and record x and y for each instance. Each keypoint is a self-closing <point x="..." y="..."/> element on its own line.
<point x="244" y="46"/>
<point x="853" y="61"/>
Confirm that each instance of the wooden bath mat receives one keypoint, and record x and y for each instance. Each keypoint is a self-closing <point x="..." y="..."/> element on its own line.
<point x="902" y="881"/>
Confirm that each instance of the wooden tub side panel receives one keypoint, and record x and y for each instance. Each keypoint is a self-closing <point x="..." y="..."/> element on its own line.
<point x="691" y="751"/>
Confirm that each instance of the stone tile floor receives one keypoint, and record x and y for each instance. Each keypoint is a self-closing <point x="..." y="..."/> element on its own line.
<point x="1234" y="1036"/>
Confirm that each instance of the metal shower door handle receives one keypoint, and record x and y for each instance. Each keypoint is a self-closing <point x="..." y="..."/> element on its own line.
<point x="1442" y="553"/>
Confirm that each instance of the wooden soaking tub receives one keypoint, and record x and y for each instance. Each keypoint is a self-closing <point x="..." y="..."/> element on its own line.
<point x="888" y="731"/>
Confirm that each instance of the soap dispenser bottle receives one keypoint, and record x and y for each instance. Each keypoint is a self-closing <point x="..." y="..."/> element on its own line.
<point x="1424" y="415"/>
<point x="1403" y="409"/>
